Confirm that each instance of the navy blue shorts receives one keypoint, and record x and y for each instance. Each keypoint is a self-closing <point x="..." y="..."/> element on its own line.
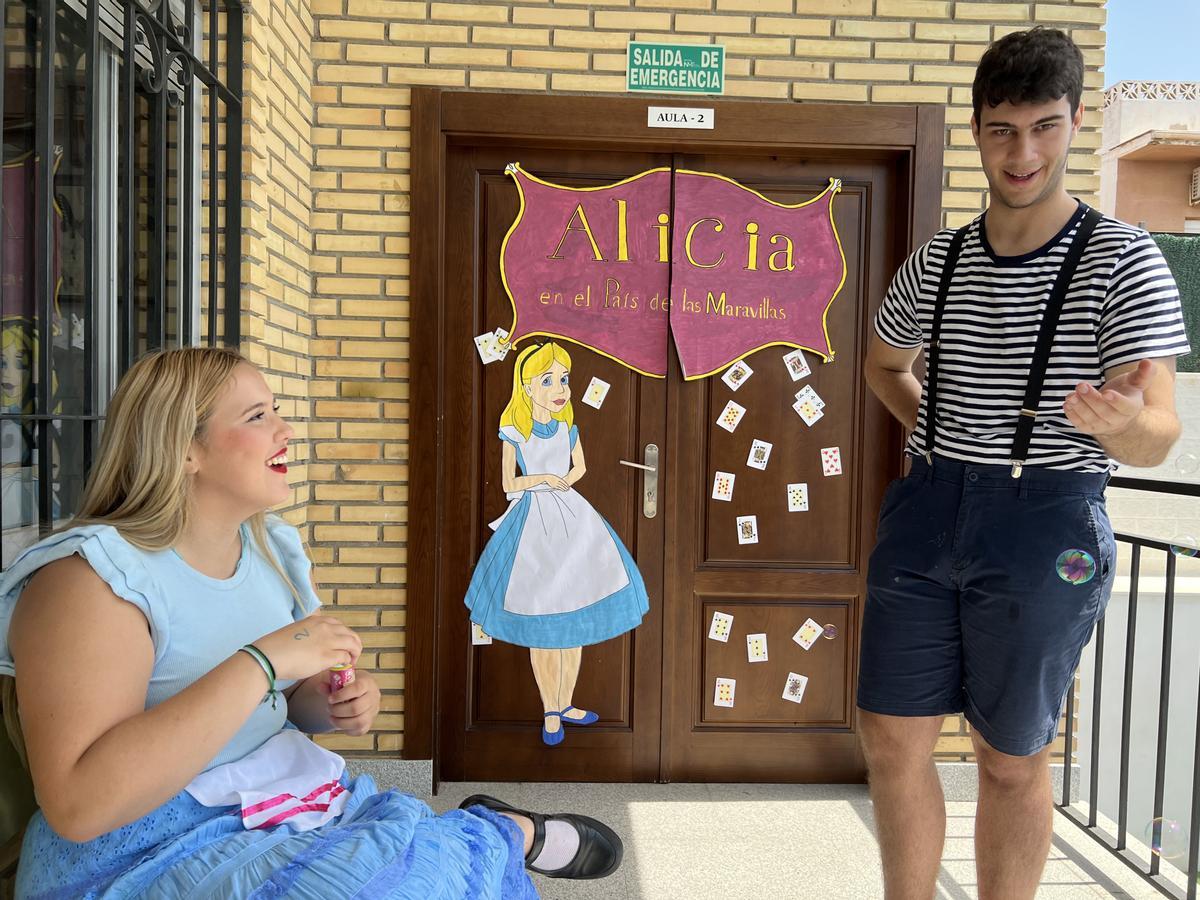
<point x="966" y="610"/>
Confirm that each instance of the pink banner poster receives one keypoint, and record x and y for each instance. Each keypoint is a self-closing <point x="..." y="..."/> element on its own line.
<point x="747" y="273"/>
<point x="591" y="265"/>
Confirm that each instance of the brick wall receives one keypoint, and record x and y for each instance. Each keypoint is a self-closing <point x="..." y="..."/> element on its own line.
<point x="328" y="273"/>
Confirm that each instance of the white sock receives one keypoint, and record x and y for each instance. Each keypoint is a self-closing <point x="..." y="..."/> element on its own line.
<point x="560" y="846"/>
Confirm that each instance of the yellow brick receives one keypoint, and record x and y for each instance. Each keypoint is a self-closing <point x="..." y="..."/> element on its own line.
<point x="335" y="159"/>
<point x="344" y="575"/>
<point x="349" y="116"/>
<point x="386" y="9"/>
<point x="962" y="200"/>
<point x="414" y="33"/>
<point x="871" y="72"/>
<point x="815" y="91"/>
<point x="943" y="74"/>
<point x="975" y="179"/>
<point x="834" y="7"/>
<point x="908" y="50"/>
<point x="344" y="409"/>
<point x="346" y="200"/>
<point x="377" y="554"/>
<point x="843" y="49"/>
<point x="376" y="97"/>
<point x="927" y="31"/>
<point x="909" y="93"/>
<point x="627" y="21"/>
<point x="970" y="53"/>
<point x="992" y="12"/>
<point x="348" y="328"/>
<point x="913" y="9"/>
<point x="609" y="83"/>
<point x="548" y="59"/>
<point x="344" y="742"/>
<point x="348" y="28"/>
<point x="789" y="25"/>
<point x="1053" y="12"/>
<point x="524" y="81"/>
<point x="373" y="308"/>
<point x="467" y="56"/>
<point x="754" y="47"/>
<point x="773" y="90"/>
<point x="384" y="53"/>
<point x="468" y="12"/>
<point x="861" y="29"/>
<point x="347" y="368"/>
<point x="339" y="74"/>
<point x="712" y="24"/>
<point x="789" y="68"/>
<point x="525" y="37"/>
<point x="339" y="533"/>
<point x="755" y="6"/>
<point x="590" y="40"/>
<point x="562" y="18"/>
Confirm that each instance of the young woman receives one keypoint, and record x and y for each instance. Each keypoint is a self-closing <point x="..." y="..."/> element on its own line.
<point x="555" y="576"/>
<point x="142" y="639"/>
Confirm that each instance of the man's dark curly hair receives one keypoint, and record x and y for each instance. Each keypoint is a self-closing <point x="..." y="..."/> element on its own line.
<point x="1029" y="67"/>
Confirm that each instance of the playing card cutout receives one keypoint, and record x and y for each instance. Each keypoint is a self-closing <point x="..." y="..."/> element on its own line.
<point x="747" y="529"/>
<point x="503" y="345"/>
<point x="797" y="497"/>
<point x="488" y="347"/>
<point x="808" y="634"/>
<point x="723" y="486"/>
<point x="797" y="365"/>
<point x="596" y="391"/>
<point x="723" y="695"/>
<point x="808" y="411"/>
<point x="831" y="461"/>
<point x="737" y="374"/>
<point x="730" y="416"/>
<point x="793" y="689"/>
<point x="720" y="627"/>
<point x="809" y="393"/>
<point x="760" y="452"/>
<point x="756" y="647"/>
<point x="479" y="637"/>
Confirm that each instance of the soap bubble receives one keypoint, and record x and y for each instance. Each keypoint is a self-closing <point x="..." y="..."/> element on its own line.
<point x="1184" y="545"/>
<point x="1166" y="838"/>
<point x="1075" y="566"/>
<point x="1187" y="464"/>
<point x="830" y="632"/>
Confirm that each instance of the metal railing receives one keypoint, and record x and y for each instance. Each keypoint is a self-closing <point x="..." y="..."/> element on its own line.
<point x="1148" y="865"/>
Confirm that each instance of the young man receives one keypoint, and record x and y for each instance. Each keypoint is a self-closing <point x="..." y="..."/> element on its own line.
<point x="971" y="605"/>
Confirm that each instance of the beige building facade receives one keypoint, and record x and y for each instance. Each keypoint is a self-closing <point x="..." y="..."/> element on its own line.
<point x="327" y="176"/>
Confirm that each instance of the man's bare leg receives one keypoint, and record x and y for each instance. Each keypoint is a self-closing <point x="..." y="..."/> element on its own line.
<point x="910" y="810"/>
<point x="1013" y="822"/>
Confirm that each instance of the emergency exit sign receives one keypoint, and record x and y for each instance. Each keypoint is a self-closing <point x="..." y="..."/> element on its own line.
<point x="675" y="68"/>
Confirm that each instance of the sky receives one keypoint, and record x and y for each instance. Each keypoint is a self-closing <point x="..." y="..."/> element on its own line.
<point x="1152" y="40"/>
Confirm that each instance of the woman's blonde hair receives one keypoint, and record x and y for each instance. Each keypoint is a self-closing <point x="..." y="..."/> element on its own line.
<point x="138" y="483"/>
<point x="532" y="362"/>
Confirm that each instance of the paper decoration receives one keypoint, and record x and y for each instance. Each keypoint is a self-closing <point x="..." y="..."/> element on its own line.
<point x="809" y="393"/>
<point x="748" y="272"/>
<point x="797" y="365"/>
<point x="797" y="497"/>
<point x="596" y="391"/>
<point x="730" y="416"/>
<point x="747" y="529"/>
<point x="719" y="629"/>
<point x="794" y="687"/>
<point x="502" y="342"/>
<point x="756" y="647"/>
<point x="760" y="452"/>
<point x="723" y="695"/>
<point x="808" y="634"/>
<point x="737" y="374"/>
<point x="489" y="348"/>
<point x="479" y="637"/>
<point x="807" y="411"/>
<point x="723" y="486"/>
<point x="831" y="461"/>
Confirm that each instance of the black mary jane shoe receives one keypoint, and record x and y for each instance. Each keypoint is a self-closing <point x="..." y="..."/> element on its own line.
<point x="599" y="851"/>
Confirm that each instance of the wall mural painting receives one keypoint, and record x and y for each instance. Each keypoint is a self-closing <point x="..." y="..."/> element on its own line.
<point x="717" y="266"/>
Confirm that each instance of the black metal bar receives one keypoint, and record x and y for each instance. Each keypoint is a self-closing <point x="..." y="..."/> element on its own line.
<point x="1140" y="540"/>
<point x="1069" y="732"/>
<point x="3" y="70"/>
<point x="1164" y="702"/>
<point x="156" y="318"/>
<point x="91" y="217"/>
<point x="49" y="417"/>
<point x="1127" y="697"/>
<point x="233" y="180"/>
<point x="1125" y="856"/>
<point x="1184" y="488"/>
<point x="213" y="178"/>
<point x="1097" y="693"/>
<point x="45" y="277"/>
<point x="129" y="220"/>
<point x="206" y="74"/>
<point x="1194" y="821"/>
<point x="187" y="221"/>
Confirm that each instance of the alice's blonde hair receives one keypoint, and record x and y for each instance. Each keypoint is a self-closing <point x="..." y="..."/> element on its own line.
<point x="533" y="362"/>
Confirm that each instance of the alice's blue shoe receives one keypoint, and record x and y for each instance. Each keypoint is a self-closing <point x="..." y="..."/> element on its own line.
<point x="588" y="718"/>
<point x="553" y="739"/>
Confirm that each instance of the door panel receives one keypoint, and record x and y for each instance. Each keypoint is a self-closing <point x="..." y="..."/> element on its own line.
<point x="805" y="564"/>
<point x="490" y="713"/>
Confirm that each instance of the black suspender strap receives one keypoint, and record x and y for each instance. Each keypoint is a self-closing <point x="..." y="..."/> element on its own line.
<point x="1041" y="355"/>
<point x="939" y="307"/>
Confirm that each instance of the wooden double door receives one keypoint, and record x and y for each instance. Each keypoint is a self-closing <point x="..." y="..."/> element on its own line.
<point x="653" y="687"/>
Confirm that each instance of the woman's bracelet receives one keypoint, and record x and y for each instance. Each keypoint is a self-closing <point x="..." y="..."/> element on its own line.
<point x="269" y="670"/>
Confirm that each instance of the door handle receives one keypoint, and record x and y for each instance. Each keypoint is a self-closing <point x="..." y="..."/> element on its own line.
<point x="649" y="468"/>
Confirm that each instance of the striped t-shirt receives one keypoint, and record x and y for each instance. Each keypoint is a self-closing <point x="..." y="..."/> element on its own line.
<point x="1122" y="306"/>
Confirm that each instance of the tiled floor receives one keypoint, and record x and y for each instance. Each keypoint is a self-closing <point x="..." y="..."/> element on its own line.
<point x="772" y="842"/>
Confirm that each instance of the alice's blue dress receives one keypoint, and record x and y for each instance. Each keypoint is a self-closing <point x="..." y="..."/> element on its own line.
<point x="385" y="845"/>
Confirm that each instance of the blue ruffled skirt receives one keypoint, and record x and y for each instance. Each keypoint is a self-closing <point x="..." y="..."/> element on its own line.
<point x="385" y="846"/>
